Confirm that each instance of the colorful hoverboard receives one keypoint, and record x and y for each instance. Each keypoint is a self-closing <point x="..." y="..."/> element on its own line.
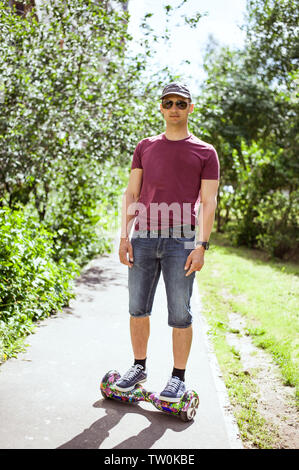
<point x="185" y="408"/>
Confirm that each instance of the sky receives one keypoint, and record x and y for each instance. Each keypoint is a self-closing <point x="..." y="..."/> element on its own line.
<point x="223" y="21"/>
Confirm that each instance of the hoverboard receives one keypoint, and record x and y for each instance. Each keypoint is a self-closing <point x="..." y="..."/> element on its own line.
<point x="185" y="408"/>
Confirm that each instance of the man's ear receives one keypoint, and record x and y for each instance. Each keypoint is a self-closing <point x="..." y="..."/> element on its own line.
<point x="191" y="108"/>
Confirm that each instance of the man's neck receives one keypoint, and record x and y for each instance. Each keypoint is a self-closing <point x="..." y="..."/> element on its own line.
<point x="174" y="133"/>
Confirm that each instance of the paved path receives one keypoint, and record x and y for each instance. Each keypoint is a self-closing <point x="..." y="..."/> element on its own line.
<point x="50" y="397"/>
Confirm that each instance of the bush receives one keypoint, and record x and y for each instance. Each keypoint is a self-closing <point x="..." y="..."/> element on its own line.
<point x="279" y="221"/>
<point x="261" y="211"/>
<point x="32" y="284"/>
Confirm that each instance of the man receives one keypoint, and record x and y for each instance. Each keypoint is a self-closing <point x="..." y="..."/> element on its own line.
<point x="170" y="174"/>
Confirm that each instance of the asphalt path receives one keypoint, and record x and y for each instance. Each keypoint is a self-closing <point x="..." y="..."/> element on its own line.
<point x="50" y="394"/>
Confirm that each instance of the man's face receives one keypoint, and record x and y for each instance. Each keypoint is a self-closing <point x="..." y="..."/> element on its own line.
<point x="174" y="115"/>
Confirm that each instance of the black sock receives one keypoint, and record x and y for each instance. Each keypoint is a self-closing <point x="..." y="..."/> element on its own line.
<point x="180" y="373"/>
<point x="141" y="362"/>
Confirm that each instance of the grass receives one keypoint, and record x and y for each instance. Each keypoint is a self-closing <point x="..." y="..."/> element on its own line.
<point x="265" y="293"/>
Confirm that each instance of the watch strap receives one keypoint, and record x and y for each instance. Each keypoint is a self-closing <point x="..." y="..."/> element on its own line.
<point x="204" y="244"/>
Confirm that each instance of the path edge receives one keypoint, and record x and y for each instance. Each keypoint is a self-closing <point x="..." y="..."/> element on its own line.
<point x="232" y="429"/>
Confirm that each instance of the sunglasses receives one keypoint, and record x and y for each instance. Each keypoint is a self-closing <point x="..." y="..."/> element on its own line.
<point x="179" y="104"/>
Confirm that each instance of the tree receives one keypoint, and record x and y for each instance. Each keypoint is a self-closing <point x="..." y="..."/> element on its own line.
<point x="67" y="114"/>
<point x="248" y="111"/>
<point x="272" y="38"/>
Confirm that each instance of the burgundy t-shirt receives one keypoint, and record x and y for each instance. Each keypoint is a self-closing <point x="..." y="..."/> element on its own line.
<point x="172" y="174"/>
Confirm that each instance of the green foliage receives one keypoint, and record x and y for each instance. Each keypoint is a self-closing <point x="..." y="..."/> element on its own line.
<point x="248" y="111"/>
<point x="272" y="37"/>
<point x="72" y="108"/>
<point x="68" y="115"/>
<point x="278" y="218"/>
<point x="32" y="285"/>
<point x="261" y="215"/>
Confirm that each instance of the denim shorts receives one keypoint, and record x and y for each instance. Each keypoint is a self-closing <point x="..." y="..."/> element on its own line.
<point x="151" y="255"/>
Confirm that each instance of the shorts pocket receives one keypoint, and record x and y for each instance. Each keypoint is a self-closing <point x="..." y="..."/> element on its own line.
<point x="184" y="239"/>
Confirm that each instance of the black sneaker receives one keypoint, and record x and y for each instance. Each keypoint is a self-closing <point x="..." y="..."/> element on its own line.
<point x="135" y="375"/>
<point x="173" y="391"/>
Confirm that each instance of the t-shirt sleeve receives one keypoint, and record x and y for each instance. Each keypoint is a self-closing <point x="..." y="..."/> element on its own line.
<point x="211" y="170"/>
<point x="136" y="161"/>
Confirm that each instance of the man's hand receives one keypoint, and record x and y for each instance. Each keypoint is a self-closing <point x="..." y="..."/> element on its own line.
<point x="125" y="247"/>
<point x="195" y="260"/>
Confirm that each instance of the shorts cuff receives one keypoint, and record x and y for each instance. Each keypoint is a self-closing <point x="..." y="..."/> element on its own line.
<point x="140" y="315"/>
<point x="180" y="326"/>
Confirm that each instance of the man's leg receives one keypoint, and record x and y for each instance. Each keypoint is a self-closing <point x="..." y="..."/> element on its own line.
<point x="140" y="331"/>
<point x="142" y="283"/>
<point x="181" y="343"/>
<point x="143" y="279"/>
<point x="179" y="292"/>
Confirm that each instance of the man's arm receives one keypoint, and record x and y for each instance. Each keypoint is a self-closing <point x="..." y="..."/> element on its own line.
<point x="130" y="196"/>
<point x="208" y="204"/>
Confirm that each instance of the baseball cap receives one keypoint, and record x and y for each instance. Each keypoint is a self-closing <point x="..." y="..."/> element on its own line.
<point x="176" y="88"/>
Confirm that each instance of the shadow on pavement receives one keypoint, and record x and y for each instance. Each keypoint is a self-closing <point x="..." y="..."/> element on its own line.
<point x="101" y="277"/>
<point x="93" y="437"/>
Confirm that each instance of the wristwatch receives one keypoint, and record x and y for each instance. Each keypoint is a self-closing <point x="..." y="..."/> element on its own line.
<point x="204" y="244"/>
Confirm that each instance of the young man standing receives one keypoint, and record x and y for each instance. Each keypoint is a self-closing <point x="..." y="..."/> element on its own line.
<point x="170" y="174"/>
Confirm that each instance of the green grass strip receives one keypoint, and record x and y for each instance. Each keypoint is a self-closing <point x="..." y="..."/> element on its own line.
<point x="265" y="293"/>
